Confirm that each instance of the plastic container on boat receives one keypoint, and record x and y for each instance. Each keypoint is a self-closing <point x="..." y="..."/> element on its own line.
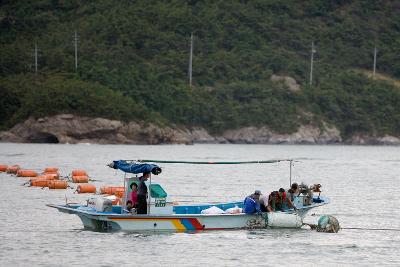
<point x="100" y="204"/>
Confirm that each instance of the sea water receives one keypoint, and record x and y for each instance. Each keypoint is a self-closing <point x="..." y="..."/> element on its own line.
<point x="362" y="182"/>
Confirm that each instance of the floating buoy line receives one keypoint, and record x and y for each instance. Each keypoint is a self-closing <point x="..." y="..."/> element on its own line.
<point x="50" y="178"/>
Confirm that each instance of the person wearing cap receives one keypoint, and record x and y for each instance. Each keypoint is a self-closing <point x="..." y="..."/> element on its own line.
<point x="251" y="203"/>
<point x="142" y="194"/>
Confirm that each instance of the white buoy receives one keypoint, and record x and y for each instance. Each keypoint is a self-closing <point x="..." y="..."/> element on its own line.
<point x="284" y="220"/>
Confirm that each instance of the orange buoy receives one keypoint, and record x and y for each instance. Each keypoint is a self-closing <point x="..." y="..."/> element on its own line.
<point x="119" y="193"/>
<point x="79" y="173"/>
<point x="13" y="169"/>
<point x="3" y="168"/>
<point x="39" y="182"/>
<point x="50" y="170"/>
<point x="47" y="177"/>
<point x="86" y="188"/>
<point x="26" y="173"/>
<point x="80" y="179"/>
<point x="51" y="176"/>
<point x="57" y="184"/>
<point x="110" y="190"/>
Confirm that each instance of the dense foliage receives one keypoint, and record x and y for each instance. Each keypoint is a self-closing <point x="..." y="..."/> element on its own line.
<point x="133" y="60"/>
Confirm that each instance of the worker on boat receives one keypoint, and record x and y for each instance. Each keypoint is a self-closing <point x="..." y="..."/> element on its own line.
<point x="129" y="207"/>
<point x="134" y="192"/>
<point x="251" y="203"/>
<point x="293" y="192"/>
<point x="277" y="200"/>
<point x="142" y="194"/>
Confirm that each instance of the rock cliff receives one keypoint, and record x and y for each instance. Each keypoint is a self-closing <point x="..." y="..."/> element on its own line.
<point x="68" y="128"/>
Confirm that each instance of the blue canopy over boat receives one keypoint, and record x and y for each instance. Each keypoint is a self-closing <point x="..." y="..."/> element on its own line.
<point x="131" y="167"/>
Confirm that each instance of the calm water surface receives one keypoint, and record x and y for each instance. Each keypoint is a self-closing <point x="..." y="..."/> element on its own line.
<point x="362" y="183"/>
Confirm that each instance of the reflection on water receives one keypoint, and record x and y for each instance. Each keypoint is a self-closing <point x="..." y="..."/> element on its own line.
<point x="357" y="179"/>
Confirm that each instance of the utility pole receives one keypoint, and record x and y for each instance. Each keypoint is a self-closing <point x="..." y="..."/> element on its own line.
<point x="374" y="62"/>
<point x="76" y="39"/>
<point x="36" y="57"/>
<point x="312" y="61"/>
<point x="191" y="59"/>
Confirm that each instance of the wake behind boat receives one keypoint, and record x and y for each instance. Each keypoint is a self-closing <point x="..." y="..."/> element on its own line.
<point x="162" y="214"/>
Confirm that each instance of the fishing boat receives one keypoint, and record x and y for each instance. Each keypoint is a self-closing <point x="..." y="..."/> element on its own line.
<point x="165" y="215"/>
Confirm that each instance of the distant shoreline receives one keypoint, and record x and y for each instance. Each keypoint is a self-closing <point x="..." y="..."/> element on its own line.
<point x="71" y="129"/>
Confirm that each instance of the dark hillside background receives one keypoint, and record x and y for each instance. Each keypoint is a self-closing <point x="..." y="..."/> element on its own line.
<point x="133" y="62"/>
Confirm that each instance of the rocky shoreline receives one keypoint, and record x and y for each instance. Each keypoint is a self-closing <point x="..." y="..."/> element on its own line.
<point x="68" y="128"/>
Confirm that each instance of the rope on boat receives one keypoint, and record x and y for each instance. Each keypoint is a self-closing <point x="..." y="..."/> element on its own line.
<point x="371" y="229"/>
<point x="265" y="217"/>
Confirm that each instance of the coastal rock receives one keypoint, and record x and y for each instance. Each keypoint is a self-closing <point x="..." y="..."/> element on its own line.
<point x="304" y="135"/>
<point x="389" y="140"/>
<point x="68" y="128"/>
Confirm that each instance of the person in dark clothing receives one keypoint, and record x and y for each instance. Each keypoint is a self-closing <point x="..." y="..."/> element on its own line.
<point x="142" y="194"/>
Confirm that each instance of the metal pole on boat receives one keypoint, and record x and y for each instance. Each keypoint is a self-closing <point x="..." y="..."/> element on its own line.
<point x="149" y="195"/>
<point x="123" y="204"/>
<point x="290" y="176"/>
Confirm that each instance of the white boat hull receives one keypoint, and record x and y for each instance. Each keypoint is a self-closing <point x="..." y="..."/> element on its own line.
<point x="183" y="222"/>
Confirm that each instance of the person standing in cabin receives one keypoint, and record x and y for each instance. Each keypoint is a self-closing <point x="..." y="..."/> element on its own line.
<point x="134" y="197"/>
<point x="142" y="194"/>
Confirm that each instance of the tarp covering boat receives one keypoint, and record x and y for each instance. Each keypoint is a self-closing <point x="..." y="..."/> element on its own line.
<point x="135" y="168"/>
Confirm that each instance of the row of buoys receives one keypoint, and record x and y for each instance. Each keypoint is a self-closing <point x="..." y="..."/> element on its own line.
<point x="50" y="178"/>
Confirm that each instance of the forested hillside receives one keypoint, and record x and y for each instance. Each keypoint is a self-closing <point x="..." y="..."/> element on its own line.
<point x="133" y="61"/>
